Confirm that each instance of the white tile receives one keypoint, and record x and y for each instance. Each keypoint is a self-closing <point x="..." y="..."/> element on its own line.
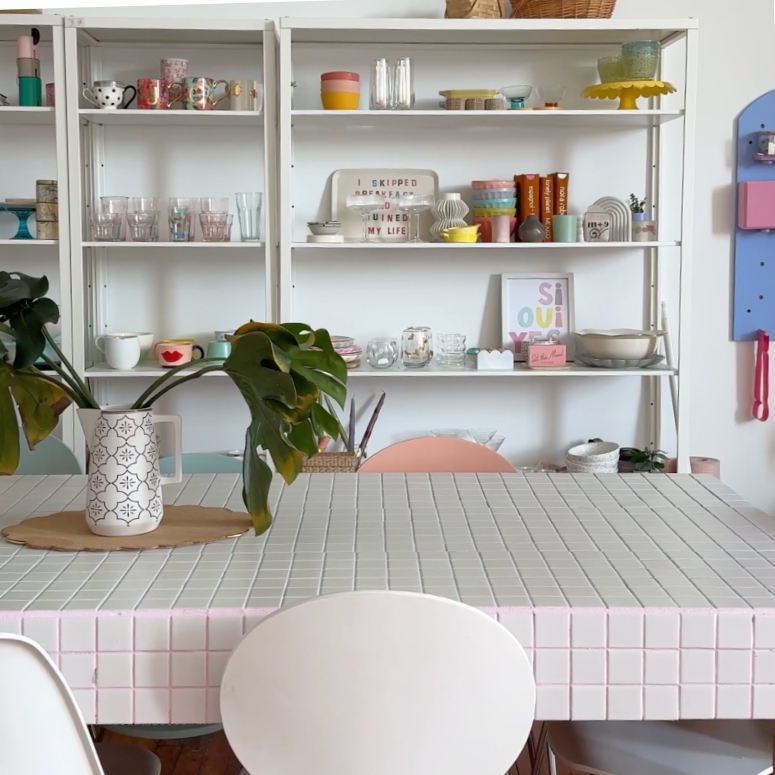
<point x="189" y="633"/>
<point x="698" y="666"/>
<point x="114" y="706"/>
<point x="87" y="702"/>
<point x="114" y="633"/>
<point x="588" y="703"/>
<point x="78" y="670"/>
<point x="698" y="702"/>
<point x="588" y="631"/>
<point x="734" y="667"/>
<point x="213" y="706"/>
<point x="44" y="631"/>
<point x="152" y="670"/>
<point x="188" y="706"/>
<point x="152" y="633"/>
<point x="625" y="666"/>
<point x="216" y="664"/>
<point x="764" y="667"/>
<point x="764" y="702"/>
<point x="735" y="631"/>
<point x="625" y="703"/>
<point x="734" y="701"/>
<point x="698" y="630"/>
<point x="625" y="631"/>
<point x="662" y="667"/>
<point x="661" y="703"/>
<point x="520" y="625"/>
<point x="188" y="670"/>
<point x="552" y="630"/>
<point x="11" y="624"/>
<point x="223" y="632"/>
<point x="552" y="666"/>
<point x="588" y="666"/>
<point x="114" y="671"/>
<point x="764" y="631"/>
<point x="152" y="706"/>
<point x="78" y="634"/>
<point x="662" y="631"/>
<point x="553" y="703"/>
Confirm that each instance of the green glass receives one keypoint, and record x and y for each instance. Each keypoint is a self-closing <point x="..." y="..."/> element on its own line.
<point x="564" y="228"/>
<point x="30" y="92"/>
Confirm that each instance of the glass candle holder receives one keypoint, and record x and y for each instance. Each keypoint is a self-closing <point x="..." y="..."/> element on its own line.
<point x="141" y="226"/>
<point x="382" y="352"/>
<point x="451" y="350"/>
<point x="179" y="219"/>
<point x="106" y="227"/>
<point x="416" y="347"/>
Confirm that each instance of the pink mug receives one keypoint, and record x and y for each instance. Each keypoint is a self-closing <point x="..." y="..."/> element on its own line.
<point x="176" y="352"/>
<point x="501" y="228"/>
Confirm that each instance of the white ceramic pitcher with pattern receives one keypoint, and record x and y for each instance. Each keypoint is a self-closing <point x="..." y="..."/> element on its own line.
<point x="124" y="489"/>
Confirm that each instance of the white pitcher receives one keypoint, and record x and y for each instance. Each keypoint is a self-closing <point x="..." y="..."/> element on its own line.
<point x="124" y="490"/>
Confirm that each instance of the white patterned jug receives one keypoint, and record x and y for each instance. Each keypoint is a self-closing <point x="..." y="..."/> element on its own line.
<point x="124" y="489"/>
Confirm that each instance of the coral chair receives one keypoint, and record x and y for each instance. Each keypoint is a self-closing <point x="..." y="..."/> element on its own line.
<point x="436" y="455"/>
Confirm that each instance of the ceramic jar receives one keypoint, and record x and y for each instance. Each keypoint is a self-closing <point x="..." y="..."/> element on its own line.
<point x="448" y="212"/>
<point x="643" y="228"/>
<point x="597" y="227"/>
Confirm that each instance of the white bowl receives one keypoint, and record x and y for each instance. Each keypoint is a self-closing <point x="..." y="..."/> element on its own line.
<point x="325" y="229"/>
<point x="624" y="343"/>
<point x="603" y="468"/>
<point x="594" y="453"/>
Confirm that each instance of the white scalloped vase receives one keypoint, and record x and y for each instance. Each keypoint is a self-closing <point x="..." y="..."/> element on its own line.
<point x="448" y="212"/>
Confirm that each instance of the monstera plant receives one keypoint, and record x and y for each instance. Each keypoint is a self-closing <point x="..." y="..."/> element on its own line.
<point x="287" y="374"/>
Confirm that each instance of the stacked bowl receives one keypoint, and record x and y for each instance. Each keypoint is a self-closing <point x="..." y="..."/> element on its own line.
<point x="340" y="90"/>
<point x="597" y="457"/>
<point x="494" y="197"/>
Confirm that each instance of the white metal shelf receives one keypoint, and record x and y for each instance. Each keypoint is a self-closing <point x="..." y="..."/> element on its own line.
<point x="583" y="246"/>
<point x="479" y="119"/>
<point x="14" y="114"/>
<point x="29" y="242"/>
<point x="236" y="245"/>
<point x="143" y="371"/>
<point x="520" y="370"/>
<point x="172" y="118"/>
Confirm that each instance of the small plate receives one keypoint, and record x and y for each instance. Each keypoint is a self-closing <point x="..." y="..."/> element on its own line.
<point x="645" y="363"/>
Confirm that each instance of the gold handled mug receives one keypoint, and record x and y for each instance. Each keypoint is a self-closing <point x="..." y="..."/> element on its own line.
<point x="200" y="93"/>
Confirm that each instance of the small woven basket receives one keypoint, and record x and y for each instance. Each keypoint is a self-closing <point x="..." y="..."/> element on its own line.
<point x="562" y="9"/>
<point x="332" y="463"/>
<point x="475" y="9"/>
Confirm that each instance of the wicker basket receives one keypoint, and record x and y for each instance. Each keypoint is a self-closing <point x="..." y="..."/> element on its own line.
<point x="562" y="9"/>
<point x="332" y="463"/>
<point x="475" y="9"/>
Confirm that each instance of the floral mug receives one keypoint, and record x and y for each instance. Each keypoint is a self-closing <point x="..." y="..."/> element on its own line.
<point x="157" y="93"/>
<point x="199" y="93"/>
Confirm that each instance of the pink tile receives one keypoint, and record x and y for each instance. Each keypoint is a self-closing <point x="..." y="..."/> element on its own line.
<point x="114" y="633"/>
<point x="44" y="631"/>
<point x="87" y="702"/>
<point x="189" y="633"/>
<point x="114" y="706"/>
<point x="216" y="664"/>
<point x="764" y="702"/>
<point x="188" y="670"/>
<point x="213" y="706"/>
<point x="698" y="630"/>
<point x="662" y="667"/>
<point x="520" y="625"/>
<point x="588" y="703"/>
<point x="588" y="631"/>
<point x="152" y="633"/>
<point x="152" y="706"/>
<point x="188" y="706"/>
<point x="764" y="631"/>
<point x="625" y="631"/>
<point x="661" y="703"/>
<point x="78" y="634"/>
<point x="625" y="666"/>
<point x="552" y="666"/>
<point x="735" y="667"/>
<point x="78" y="670"/>
<point x="625" y="703"/>
<point x="552" y="630"/>
<point x="11" y="624"/>
<point x="152" y="671"/>
<point x="735" y="631"/>
<point x="698" y="702"/>
<point x="223" y="632"/>
<point x="662" y="631"/>
<point x="698" y="666"/>
<point x="114" y="671"/>
<point x="734" y="701"/>
<point x="588" y="666"/>
<point x="553" y="703"/>
<point x="764" y="667"/>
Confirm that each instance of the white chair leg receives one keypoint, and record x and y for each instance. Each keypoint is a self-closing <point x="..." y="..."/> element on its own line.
<point x="552" y="759"/>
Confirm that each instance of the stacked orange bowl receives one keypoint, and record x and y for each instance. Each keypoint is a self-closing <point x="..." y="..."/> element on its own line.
<point x="340" y="90"/>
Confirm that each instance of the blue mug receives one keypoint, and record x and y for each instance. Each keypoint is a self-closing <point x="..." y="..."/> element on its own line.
<point x="219" y="350"/>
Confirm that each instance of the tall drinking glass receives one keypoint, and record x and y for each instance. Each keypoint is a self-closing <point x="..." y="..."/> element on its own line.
<point x="192" y="205"/>
<point x="249" y="212"/>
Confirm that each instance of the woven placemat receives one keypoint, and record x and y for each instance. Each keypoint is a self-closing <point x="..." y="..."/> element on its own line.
<point x="67" y="531"/>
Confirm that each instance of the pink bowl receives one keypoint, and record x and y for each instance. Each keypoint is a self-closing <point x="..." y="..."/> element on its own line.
<point x="341" y="86"/>
<point x="340" y="75"/>
<point x="477" y="185"/>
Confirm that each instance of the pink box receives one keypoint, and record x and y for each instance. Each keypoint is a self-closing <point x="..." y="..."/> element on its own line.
<point x="756" y="204"/>
<point x="546" y="356"/>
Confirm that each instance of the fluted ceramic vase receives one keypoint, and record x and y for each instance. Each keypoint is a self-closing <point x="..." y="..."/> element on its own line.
<point x="448" y="212"/>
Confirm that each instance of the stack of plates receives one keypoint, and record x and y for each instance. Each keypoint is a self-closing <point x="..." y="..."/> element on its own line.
<point x="349" y="351"/>
<point x="601" y="457"/>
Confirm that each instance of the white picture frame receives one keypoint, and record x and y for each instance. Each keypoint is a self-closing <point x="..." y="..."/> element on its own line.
<point x="529" y="308"/>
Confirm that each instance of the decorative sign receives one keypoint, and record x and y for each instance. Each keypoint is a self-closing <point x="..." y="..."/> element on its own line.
<point x="388" y="224"/>
<point x="546" y="356"/>
<point x="536" y="306"/>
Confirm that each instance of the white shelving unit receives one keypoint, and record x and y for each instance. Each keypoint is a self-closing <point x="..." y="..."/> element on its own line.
<point x="475" y="53"/>
<point x="172" y="289"/>
<point x="33" y="141"/>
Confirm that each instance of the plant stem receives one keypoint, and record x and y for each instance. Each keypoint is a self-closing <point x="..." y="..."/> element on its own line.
<point x="45" y="377"/>
<point x="73" y="374"/>
<point x="85" y="401"/>
<point x="148" y="398"/>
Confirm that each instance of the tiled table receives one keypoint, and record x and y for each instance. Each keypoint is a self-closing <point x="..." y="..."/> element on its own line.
<point x="636" y="596"/>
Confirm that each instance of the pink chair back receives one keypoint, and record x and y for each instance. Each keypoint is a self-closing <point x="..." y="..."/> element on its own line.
<point x="436" y="455"/>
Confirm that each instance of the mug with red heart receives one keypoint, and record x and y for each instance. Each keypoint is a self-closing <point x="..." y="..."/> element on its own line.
<point x="176" y="352"/>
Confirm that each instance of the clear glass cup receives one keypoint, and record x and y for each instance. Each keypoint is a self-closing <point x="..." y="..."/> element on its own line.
<point x="141" y="226"/>
<point x="447" y="433"/>
<point x="382" y="352"/>
<point x="402" y="84"/>
<point x="193" y="207"/>
<point x="227" y="233"/>
<point x="179" y="219"/>
<point x="213" y="226"/>
<point x="214" y="204"/>
<point x="381" y="92"/>
<point x="495" y="443"/>
<point x="365" y="204"/>
<point x="481" y="436"/>
<point x="249" y="212"/>
<point x="106" y="227"/>
<point x="416" y="347"/>
<point x="117" y="205"/>
<point x="144" y="204"/>
<point x="415" y="205"/>
<point x="451" y="350"/>
<point x="552" y="95"/>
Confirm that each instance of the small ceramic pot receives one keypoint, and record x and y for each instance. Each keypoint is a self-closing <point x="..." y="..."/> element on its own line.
<point x="597" y="227"/>
<point x="643" y="229"/>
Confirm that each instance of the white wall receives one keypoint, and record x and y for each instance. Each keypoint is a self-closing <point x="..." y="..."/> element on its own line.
<point x="736" y="62"/>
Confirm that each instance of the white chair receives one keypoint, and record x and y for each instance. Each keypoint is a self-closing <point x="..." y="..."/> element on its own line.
<point x="42" y="731"/>
<point x="379" y="683"/>
<point x="663" y="747"/>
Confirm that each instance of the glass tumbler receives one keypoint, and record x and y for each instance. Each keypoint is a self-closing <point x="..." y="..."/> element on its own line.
<point x="382" y="352"/>
<point x="179" y="219"/>
<point x="118" y="205"/>
<point x="141" y="226"/>
<point x="144" y="204"/>
<point x="416" y="347"/>
<point x="213" y="226"/>
<point x="193" y="207"/>
<point x="214" y="204"/>
<point x="380" y="95"/>
<point x="402" y="84"/>
<point x="452" y="350"/>
<point x="227" y="233"/>
<point x="106" y="227"/>
<point x="249" y="212"/>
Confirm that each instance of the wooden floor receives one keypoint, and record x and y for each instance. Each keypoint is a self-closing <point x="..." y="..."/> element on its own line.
<point x="211" y="755"/>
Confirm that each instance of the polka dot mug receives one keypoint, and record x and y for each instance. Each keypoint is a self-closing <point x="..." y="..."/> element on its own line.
<point x="109" y="95"/>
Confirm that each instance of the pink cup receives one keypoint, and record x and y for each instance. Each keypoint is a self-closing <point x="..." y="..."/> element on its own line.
<point x="176" y="352"/>
<point x="501" y="228"/>
<point x="50" y="95"/>
<point x="353" y="87"/>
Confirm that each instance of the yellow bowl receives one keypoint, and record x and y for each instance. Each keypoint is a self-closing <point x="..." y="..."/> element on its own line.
<point x="340" y="100"/>
<point x="461" y="234"/>
<point x="481" y="213"/>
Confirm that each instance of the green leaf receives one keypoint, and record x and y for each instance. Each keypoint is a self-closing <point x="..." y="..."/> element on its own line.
<point x="36" y="286"/>
<point x="40" y="404"/>
<point x="9" y="428"/>
<point x="302" y="436"/>
<point x="325" y="421"/>
<point x="28" y="325"/>
<point x="277" y="334"/>
<point x="12" y="291"/>
<point x="256" y="480"/>
<point x="325" y="383"/>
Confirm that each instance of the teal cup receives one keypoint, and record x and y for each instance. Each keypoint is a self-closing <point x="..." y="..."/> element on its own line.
<point x="564" y="228"/>
<point x="219" y="350"/>
<point x="30" y="92"/>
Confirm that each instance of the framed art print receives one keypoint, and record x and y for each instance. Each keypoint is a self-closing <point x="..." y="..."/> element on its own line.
<point x="537" y="305"/>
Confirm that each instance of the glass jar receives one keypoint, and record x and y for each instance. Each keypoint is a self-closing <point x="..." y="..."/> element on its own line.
<point x="382" y="352"/>
<point x="610" y="69"/>
<point x="451" y="350"/>
<point x="640" y="60"/>
<point x="416" y="347"/>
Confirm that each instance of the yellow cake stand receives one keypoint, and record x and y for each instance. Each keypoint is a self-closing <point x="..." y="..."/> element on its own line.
<point x="628" y="92"/>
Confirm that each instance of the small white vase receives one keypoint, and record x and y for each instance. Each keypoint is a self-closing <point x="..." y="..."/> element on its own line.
<point x="124" y="488"/>
<point x="448" y="212"/>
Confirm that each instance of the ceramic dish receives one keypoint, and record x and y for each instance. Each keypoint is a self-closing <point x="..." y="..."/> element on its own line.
<point x="521" y="92"/>
<point x="476" y="185"/>
<point x="621" y="218"/>
<point x="340" y="75"/>
<point x="327" y="228"/>
<point x="620" y="363"/>
<point x="353" y="87"/>
<point x="481" y="213"/>
<point x="461" y="234"/>
<point x="342" y="341"/>
<point x="495" y="204"/>
<point x="468" y="94"/>
<point x="618" y="343"/>
<point x="339" y="100"/>
<point x="509" y="192"/>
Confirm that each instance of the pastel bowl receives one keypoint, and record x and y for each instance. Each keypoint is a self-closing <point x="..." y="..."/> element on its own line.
<point x="340" y="75"/>
<point x="354" y="87"/>
<point x="325" y="229"/>
<point x="461" y="234"/>
<point x="484" y="213"/>
<point x="619" y="343"/>
<point x="496" y="193"/>
<point x="485" y="184"/>
<point x="337" y="100"/>
<point x="495" y="204"/>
